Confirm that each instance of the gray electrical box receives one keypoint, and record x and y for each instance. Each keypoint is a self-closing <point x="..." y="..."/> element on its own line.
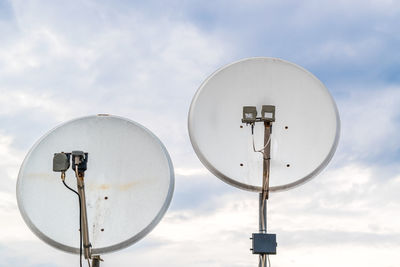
<point x="264" y="243"/>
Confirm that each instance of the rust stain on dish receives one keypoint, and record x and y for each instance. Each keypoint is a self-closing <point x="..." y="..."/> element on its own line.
<point x="121" y="187"/>
<point x="104" y="186"/>
<point x="42" y="175"/>
<point x="127" y="186"/>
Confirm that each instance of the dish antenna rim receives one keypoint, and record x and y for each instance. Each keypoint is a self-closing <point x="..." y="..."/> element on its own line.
<point x="106" y="249"/>
<point x="232" y="181"/>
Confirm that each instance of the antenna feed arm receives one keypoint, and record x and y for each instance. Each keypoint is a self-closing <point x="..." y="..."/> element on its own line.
<point x="79" y="161"/>
<point x="79" y="165"/>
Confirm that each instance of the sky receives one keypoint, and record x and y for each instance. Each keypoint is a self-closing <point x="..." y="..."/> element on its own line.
<point x="144" y="60"/>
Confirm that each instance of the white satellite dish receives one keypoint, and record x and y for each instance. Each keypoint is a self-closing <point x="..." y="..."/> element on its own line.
<point x="305" y="133"/>
<point x="129" y="184"/>
<point x="296" y="133"/>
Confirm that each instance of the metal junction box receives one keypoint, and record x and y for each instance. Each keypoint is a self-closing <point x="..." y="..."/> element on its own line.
<point x="264" y="243"/>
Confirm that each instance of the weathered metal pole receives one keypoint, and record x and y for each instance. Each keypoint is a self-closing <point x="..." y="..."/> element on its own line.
<point x="263" y="197"/>
<point x="84" y="220"/>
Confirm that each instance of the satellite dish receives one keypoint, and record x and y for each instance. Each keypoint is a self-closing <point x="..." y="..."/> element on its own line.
<point x="291" y="141"/>
<point x="129" y="184"/>
<point x="305" y="132"/>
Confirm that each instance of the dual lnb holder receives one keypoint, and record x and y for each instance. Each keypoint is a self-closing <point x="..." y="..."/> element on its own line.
<point x="61" y="161"/>
<point x="250" y="114"/>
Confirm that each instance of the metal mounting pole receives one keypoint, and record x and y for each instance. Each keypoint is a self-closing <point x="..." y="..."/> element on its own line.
<point x="84" y="221"/>
<point x="262" y="229"/>
<point x="263" y="244"/>
<point x="263" y="197"/>
<point x="266" y="157"/>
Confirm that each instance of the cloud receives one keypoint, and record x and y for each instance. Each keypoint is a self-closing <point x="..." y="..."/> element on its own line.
<point x="371" y="120"/>
<point x="9" y="165"/>
<point x="102" y="61"/>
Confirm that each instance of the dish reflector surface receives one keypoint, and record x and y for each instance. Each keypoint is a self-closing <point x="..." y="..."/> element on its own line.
<point x="304" y="136"/>
<point x="129" y="184"/>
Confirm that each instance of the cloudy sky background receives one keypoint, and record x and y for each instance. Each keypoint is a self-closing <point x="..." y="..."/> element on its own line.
<point x="144" y="60"/>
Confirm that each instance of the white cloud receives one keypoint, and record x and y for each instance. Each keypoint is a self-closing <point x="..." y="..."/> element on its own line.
<point x="11" y="159"/>
<point x="190" y="172"/>
<point x="370" y="120"/>
<point x="102" y="61"/>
